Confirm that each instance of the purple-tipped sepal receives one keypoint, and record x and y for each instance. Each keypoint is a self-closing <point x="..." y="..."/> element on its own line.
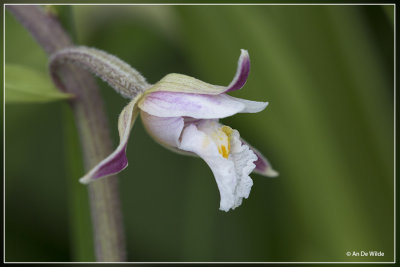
<point x="117" y="160"/>
<point x="263" y="167"/>
<point x="242" y="72"/>
<point x="113" y="164"/>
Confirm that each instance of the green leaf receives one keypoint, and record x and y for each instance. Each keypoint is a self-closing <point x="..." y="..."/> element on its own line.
<point x="24" y="85"/>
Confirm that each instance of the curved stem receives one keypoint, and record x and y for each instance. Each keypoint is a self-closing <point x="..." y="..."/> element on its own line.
<point x="93" y="131"/>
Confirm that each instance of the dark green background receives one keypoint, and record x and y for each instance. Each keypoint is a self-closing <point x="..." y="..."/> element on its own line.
<point x="327" y="72"/>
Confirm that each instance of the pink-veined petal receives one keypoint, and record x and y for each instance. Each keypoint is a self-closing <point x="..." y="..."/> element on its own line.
<point x="117" y="160"/>
<point x="199" y="106"/>
<point x="249" y="105"/>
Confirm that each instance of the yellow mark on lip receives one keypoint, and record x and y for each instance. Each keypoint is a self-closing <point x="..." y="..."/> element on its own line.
<point x="220" y="136"/>
<point x="226" y="132"/>
<point x="222" y="150"/>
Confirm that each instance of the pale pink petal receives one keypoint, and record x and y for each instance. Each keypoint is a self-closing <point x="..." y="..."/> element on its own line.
<point x="250" y="106"/>
<point x="165" y="130"/>
<point x="200" y="106"/>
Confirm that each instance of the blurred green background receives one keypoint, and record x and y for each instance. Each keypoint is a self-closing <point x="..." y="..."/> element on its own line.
<point x="327" y="72"/>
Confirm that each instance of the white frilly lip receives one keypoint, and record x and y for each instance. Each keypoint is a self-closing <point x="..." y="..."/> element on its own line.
<point x="232" y="173"/>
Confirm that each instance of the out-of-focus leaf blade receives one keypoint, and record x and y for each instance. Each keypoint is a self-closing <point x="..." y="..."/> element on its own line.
<point x="24" y="85"/>
<point x="79" y="217"/>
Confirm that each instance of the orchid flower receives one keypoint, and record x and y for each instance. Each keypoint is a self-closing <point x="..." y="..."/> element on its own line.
<point x="182" y="114"/>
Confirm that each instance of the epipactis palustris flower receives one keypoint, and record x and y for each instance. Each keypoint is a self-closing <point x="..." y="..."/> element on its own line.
<point x="182" y="114"/>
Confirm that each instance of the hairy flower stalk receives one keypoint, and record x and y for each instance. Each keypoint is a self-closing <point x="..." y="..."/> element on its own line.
<point x="118" y="74"/>
<point x="182" y="114"/>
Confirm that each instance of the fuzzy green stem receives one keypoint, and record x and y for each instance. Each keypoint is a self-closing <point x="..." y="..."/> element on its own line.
<point x="93" y="131"/>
